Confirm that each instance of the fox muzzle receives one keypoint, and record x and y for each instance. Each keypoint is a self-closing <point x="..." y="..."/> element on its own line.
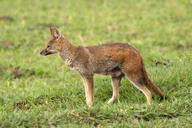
<point x="45" y="52"/>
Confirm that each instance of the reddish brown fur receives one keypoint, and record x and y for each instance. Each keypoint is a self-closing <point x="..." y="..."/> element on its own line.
<point x="115" y="59"/>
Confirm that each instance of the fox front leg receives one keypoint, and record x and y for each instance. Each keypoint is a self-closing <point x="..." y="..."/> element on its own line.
<point x="115" y="84"/>
<point x="88" y="84"/>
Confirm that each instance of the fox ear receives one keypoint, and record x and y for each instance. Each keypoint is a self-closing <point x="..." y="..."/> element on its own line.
<point x="54" y="33"/>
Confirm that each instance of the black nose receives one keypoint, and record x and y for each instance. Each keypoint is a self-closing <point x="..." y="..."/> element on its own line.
<point x="41" y="52"/>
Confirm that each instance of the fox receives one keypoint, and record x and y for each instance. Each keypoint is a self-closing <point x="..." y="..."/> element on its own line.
<point x="113" y="58"/>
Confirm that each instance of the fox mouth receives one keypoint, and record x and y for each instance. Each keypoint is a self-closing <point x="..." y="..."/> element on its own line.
<point x="46" y="53"/>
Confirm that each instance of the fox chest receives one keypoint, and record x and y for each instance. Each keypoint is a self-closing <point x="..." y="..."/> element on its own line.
<point x="79" y="68"/>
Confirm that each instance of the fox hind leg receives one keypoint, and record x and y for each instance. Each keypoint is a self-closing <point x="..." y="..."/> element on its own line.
<point x="143" y="89"/>
<point x="138" y="81"/>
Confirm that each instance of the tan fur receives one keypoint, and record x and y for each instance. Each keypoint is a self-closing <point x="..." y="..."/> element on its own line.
<point x="115" y="59"/>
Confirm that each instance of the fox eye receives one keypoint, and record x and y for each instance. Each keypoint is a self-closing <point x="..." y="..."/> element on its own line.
<point x="48" y="46"/>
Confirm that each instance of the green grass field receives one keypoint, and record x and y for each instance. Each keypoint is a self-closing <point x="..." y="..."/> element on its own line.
<point x="38" y="91"/>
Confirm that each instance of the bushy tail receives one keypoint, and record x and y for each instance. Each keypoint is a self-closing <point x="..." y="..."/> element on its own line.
<point x="151" y="85"/>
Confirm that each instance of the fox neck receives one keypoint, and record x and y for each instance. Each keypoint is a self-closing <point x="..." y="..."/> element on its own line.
<point x="68" y="52"/>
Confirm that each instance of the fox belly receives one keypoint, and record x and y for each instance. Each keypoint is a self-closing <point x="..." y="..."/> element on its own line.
<point x="109" y="67"/>
<point x="116" y="72"/>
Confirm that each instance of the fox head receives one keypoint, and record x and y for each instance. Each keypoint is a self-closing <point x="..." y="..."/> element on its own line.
<point x="54" y="45"/>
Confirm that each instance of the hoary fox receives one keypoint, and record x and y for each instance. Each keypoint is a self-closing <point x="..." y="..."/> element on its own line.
<point x="115" y="59"/>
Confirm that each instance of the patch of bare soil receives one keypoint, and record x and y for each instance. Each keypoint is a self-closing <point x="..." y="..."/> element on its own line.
<point x="6" y="18"/>
<point x="18" y="73"/>
<point x="46" y="76"/>
<point x="7" y="44"/>
<point x="3" y="68"/>
<point x="189" y="46"/>
<point x="156" y="62"/>
<point x="154" y="116"/>
<point x="22" y="104"/>
<point x="180" y="46"/>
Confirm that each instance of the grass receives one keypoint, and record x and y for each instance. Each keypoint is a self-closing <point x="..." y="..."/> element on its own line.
<point x="37" y="91"/>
